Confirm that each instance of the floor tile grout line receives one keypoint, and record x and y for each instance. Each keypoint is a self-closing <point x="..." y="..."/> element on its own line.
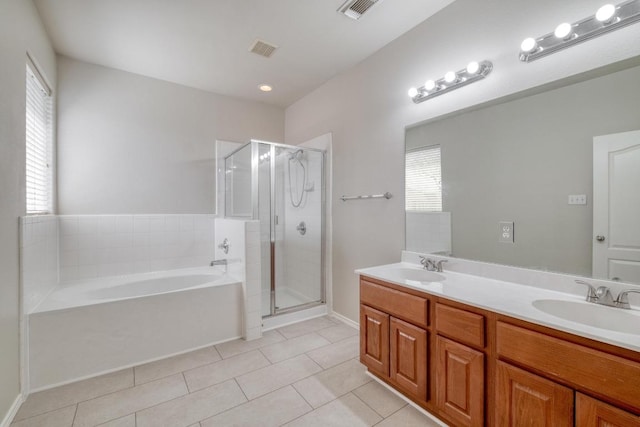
<point x="248" y="401"/>
<point x="392" y="414"/>
<point x="74" y="416"/>
<point x="220" y="382"/>
<point x="371" y="407"/>
<point x="78" y="402"/>
<point x="174" y="373"/>
<point x="15" y="420"/>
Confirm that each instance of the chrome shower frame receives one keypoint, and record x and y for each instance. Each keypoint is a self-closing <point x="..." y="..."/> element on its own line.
<point x="255" y="163"/>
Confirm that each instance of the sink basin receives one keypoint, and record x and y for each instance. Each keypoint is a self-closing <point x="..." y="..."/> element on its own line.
<point x="417" y="274"/>
<point x="599" y="316"/>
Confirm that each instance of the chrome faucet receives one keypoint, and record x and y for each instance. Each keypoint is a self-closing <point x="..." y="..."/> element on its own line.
<point x="602" y="295"/>
<point x="432" y="265"/>
<point x="220" y="262"/>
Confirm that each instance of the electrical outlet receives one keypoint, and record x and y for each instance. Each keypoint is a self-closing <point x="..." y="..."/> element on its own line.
<point x="505" y="229"/>
<point x="577" y="199"/>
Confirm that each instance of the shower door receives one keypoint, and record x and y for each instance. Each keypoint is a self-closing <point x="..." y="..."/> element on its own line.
<point x="290" y="206"/>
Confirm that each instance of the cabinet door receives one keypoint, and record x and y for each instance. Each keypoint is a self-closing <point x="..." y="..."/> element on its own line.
<point x="525" y="399"/>
<point x="374" y="340"/>
<point x="460" y="382"/>
<point x="593" y="413"/>
<point x="408" y="346"/>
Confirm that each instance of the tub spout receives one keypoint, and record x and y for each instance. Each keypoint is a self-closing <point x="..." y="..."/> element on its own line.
<point x="220" y="262"/>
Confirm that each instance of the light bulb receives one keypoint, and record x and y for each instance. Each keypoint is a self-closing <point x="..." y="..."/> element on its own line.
<point x="563" y="30"/>
<point x="473" y="67"/>
<point x="265" y="88"/>
<point x="605" y="13"/>
<point x="528" y="45"/>
<point x="413" y="92"/>
<point x="450" y="77"/>
<point x="430" y="85"/>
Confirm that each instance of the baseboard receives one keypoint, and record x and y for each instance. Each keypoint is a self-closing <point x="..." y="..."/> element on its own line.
<point x="346" y="320"/>
<point x="432" y="417"/>
<point x="12" y="411"/>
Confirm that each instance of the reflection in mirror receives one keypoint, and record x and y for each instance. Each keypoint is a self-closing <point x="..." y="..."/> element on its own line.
<point x="530" y="161"/>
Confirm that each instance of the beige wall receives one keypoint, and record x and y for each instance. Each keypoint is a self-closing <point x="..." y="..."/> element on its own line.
<point x="20" y="31"/>
<point x="129" y="144"/>
<point x="367" y="110"/>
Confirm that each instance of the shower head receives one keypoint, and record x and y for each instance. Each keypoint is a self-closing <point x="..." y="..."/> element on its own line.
<point x="296" y="154"/>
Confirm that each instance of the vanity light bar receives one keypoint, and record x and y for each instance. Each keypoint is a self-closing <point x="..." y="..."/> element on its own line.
<point x="452" y="80"/>
<point x="606" y="19"/>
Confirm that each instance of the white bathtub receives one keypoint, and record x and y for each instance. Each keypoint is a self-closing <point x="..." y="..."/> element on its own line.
<point x="83" y="329"/>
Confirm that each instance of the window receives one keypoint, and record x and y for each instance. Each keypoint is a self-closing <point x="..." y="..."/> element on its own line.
<point x="423" y="179"/>
<point x="39" y="137"/>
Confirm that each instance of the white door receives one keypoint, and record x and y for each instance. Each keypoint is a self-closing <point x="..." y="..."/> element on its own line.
<point x="616" y="207"/>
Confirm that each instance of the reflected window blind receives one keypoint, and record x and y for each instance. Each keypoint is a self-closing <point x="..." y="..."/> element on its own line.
<point x="423" y="179"/>
<point x="38" y="145"/>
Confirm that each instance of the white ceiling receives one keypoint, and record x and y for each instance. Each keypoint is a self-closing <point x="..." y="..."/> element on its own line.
<point x="204" y="43"/>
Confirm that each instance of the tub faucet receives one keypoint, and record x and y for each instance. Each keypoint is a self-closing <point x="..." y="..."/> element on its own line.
<point x="220" y="262"/>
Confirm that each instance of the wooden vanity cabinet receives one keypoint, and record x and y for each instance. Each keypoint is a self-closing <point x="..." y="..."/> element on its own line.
<point x="393" y="337"/>
<point x="526" y="399"/>
<point x="460" y="364"/>
<point x="408" y="352"/>
<point x="460" y="382"/>
<point x="374" y="340"/>
<point x="473" y="367"/>
<point x="594" y="413"/>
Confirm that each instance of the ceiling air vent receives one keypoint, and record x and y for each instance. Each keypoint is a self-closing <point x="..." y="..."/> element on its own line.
<point x="262" y="48"/>
<point x="354" y="9"/>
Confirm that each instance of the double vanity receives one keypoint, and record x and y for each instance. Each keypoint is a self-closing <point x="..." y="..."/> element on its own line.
<point x="477" y="351"/>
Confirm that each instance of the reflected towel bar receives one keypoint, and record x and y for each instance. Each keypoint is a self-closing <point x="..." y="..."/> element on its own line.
<point x="386" y="195"/>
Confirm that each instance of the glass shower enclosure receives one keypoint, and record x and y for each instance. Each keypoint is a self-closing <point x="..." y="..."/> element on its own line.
<point x="282" y="186"/>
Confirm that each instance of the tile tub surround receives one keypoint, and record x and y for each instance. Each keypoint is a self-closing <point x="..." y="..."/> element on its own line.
<point x="38" y="258"/>
<point x="233" y="384"/>
<point x="243" y="262"/>
<point x="110" y="245"/>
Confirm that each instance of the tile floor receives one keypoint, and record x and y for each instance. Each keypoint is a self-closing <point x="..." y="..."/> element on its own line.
<point x="306" y="374"/>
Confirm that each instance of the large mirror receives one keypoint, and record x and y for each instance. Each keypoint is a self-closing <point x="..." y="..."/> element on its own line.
<point x="513" y="182"/>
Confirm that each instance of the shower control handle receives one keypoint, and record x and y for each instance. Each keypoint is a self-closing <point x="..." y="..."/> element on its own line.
<point x="224" y="246"/>
<point x="302" y="228"/>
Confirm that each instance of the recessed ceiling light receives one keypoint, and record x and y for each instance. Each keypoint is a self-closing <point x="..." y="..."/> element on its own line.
<point x="265" y="88"/>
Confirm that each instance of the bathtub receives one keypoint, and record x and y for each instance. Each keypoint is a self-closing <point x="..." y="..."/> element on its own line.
<point x="83" y="329"/>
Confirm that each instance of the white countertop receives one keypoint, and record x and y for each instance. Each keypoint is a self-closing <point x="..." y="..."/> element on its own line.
<point x="510" y="299"/>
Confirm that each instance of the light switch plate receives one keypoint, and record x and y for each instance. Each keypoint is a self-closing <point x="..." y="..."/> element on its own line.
<point x="505" y="229"/>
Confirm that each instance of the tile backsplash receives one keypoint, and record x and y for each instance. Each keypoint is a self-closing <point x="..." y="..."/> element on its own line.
<point x="109" y="245"/>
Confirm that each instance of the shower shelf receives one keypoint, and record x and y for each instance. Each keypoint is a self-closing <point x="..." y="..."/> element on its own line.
<point x="386" y="195"/>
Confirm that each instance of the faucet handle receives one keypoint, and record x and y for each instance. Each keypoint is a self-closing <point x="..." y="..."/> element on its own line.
<point x="623" y="298"/>
<point x="424" y="261"/>
<point x="592" y="295"/>
<point x="439" y="265"/>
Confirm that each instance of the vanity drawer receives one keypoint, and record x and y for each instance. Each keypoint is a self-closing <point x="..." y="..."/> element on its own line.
<point x="461" y="325"/>
<point x="399" y="304"/>
<point x="582" y="367"/>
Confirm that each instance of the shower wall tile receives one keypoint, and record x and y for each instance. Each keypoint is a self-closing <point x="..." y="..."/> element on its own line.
<point x="107" y="245"/>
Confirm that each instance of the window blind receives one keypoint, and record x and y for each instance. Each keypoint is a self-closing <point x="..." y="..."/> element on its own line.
<point x="423" y="179"/>
<point x="38" y="144"/>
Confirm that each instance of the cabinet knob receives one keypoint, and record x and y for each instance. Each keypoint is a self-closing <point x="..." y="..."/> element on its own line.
<point x="600" y="238"/>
